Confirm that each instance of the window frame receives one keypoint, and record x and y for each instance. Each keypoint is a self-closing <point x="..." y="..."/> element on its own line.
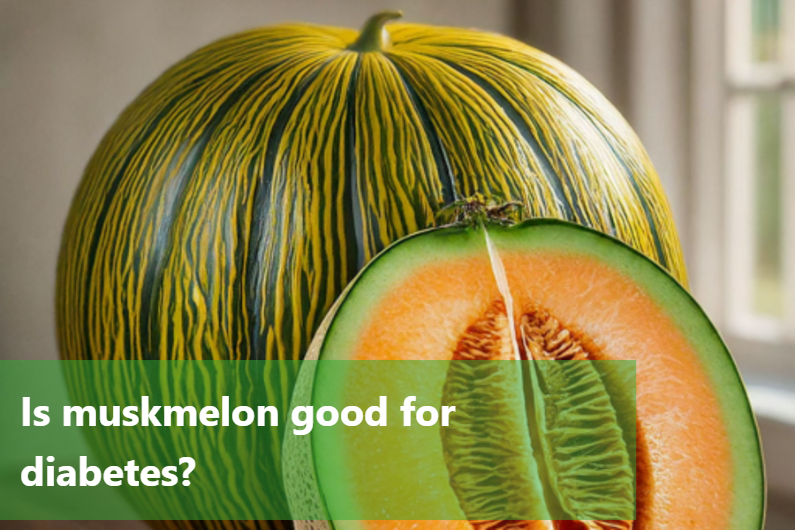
<point x="721" y="237"/>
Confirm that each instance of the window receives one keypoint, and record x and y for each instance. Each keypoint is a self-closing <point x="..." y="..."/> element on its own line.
<point x="760" y="168"/>
<point x="741" y="185"/>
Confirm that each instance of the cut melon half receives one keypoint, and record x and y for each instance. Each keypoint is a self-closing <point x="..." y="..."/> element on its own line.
<point x="541" y="290"/>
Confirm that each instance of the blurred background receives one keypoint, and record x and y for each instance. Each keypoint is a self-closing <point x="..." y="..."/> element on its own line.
<point x="709" y="86"/>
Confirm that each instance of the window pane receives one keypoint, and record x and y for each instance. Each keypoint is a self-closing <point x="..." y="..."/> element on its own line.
<point x="766" y="24"/>
<point x="768" y="288"/>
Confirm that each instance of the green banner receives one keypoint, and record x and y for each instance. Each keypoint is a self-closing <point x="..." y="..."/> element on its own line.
<point x="343" y="440"/>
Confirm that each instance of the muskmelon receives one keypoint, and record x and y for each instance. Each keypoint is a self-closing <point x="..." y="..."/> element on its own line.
<point x="555" y="294"/>
<point x="235" y="198"/>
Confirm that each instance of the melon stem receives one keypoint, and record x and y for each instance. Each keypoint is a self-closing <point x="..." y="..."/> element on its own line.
<point x="374" y="37"/>
<point x="476" y="211"/>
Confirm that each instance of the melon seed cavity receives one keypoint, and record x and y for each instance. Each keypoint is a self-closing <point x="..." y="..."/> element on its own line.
<point x="541" y="440"/>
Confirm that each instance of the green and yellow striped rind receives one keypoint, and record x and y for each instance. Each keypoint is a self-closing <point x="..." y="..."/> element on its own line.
<point x="236" y="197"/>
<point x="232" y="460"/>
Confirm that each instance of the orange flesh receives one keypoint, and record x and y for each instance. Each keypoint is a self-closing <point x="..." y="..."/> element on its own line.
<point x="687" y="481"/>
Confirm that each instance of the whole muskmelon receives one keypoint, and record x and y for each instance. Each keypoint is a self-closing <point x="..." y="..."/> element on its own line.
<point x="235" y="198"/>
